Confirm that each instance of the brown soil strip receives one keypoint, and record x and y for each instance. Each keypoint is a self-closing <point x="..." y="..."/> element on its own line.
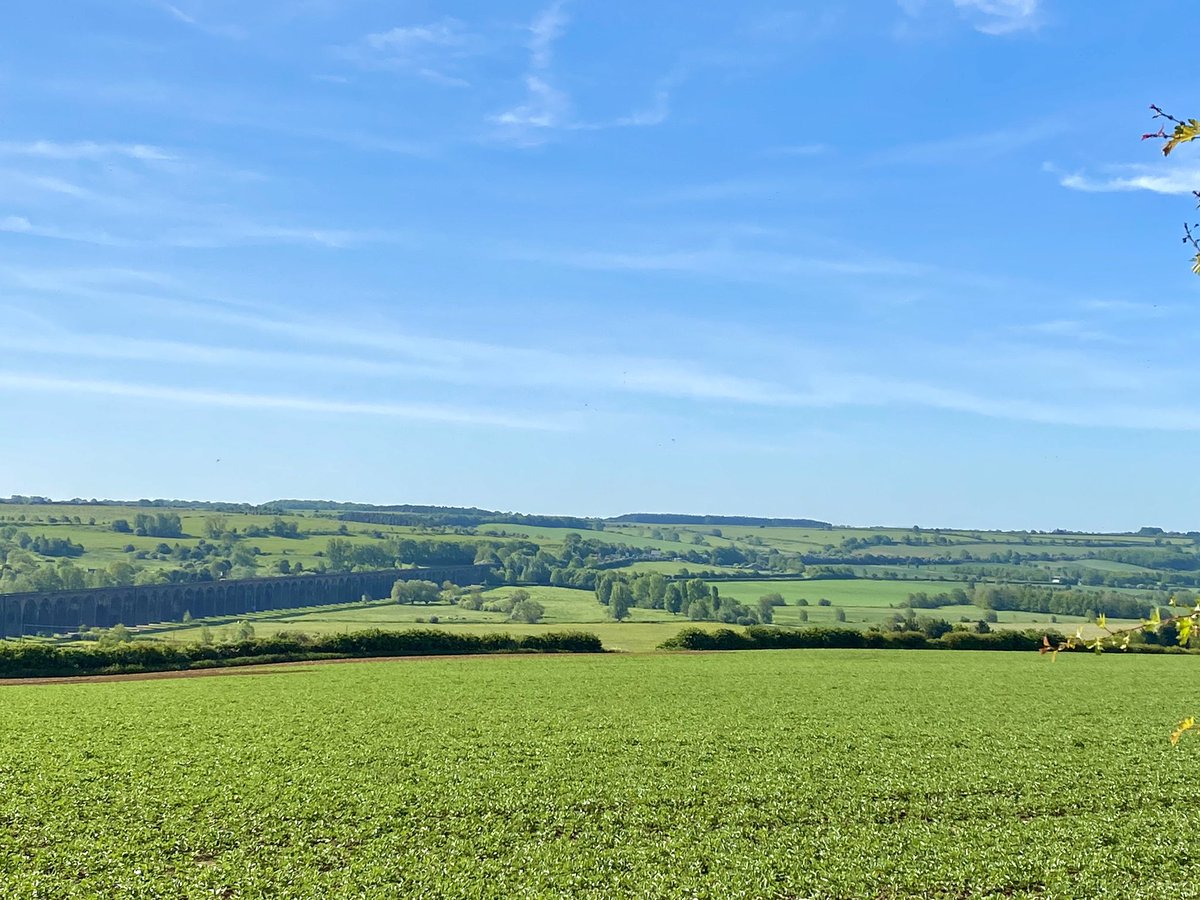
<point x="280" y="668"/>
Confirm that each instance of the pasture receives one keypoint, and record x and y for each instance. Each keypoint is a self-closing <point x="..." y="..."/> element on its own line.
<point x="862" y="602"/>
<point x="768" y="774"/>
<point x="643" y="631"/>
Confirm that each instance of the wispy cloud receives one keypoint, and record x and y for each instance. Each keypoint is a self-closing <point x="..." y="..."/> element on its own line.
<point x="548" y="107"/>
<point x="275" y="402"/>
<point x="993" y="17"/>
<point x="22" y="226"/>
<point x="1055" y="383"/>
<point x="225" y="233"/>
<point x="232" y="32"/>
<point x="971" y="148"/>
<point x="84" y="150"/>
<point x="136" y="195"/>
<point x="547" y="27"/>
<point x="432" y="51"/>
<point x="1162" y="179"/>
<point x="1070" y="329"/>
<point x="736" y="264"/>
<point x="1001" y="16"/>
<point x="306" y="344"/>
<point x="545" y="106"/>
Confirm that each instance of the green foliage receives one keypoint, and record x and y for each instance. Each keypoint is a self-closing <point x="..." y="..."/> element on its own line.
<point x="921" y="776"/>
<point x="527" y="611"/>
<point x="158" y="525"/>
<point x="416" y="591"/>
<point x="116" y="653"/>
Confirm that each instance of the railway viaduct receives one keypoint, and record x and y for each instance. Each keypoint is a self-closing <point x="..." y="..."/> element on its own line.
<point x="56" y="612"/>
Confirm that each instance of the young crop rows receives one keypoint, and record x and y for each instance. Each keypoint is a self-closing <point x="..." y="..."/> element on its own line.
<point x="773" y="774"/>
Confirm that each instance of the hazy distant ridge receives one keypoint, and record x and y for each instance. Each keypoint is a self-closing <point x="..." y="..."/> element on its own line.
<point x="678" y="519"/>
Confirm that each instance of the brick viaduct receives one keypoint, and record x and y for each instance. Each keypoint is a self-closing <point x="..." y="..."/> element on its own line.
<point x="64" y="611"/>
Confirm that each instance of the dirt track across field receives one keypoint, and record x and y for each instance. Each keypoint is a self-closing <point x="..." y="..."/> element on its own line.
<point x="281" y="668"/>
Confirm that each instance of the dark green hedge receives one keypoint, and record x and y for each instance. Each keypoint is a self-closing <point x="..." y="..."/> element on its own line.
<point x="764" y="638"/>
<point x="26" y="659"/>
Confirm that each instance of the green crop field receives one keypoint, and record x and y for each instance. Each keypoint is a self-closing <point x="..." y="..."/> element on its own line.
<point x="768" y="774"/>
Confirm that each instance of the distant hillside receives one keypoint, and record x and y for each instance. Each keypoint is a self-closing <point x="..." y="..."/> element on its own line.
<point x="453" y="516"/>
<point x="677" y="519"/>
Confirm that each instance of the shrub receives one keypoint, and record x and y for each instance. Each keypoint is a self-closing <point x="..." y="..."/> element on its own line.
<point x="27" y="659"/>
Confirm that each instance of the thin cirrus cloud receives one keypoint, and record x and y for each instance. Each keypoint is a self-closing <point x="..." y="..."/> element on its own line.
<point x="411" y="356"/>
<point x="833" y="389"/>
<point x="430" y="358"/>
<point x="973" y="147"/>
<point x="433" y="51"/>
<point x="232" y="32"/>
<point x="214" y="236"/>
<point x="734" y="264"/>
<point x="432" y="413"/>
<point x="992" y="17"/>
<point x="84" y="150"/>
<point x="999" y="17"/>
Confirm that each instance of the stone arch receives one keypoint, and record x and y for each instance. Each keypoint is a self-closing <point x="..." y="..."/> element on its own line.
<point x="11" y="624"/>
<point x="128" y="608"/>
<point x="43" y="614"/>
<point x="75" y="615"/>
<point x="58" y="615"/>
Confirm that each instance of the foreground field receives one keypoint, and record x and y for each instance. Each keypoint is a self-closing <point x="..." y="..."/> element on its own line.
<point x="771" y="774"/>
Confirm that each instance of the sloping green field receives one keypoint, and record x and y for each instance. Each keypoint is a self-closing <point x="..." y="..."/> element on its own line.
<point x="769" y="774"/>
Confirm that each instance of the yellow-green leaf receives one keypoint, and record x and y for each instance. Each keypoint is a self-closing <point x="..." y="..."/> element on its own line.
<point x="1184" y="132"/>
<point x="1186" y="725"/>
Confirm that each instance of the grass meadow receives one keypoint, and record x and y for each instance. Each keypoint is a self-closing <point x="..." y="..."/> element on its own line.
<point x="772" y="774"/>
<point x="862" y="602"/>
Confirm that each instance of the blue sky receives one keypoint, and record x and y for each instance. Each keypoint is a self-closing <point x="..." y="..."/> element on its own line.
<point x="871" y="262"/>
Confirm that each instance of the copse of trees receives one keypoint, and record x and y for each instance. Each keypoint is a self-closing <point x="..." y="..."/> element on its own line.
<point x="157" y="525"/>
<point x="412" y="592"/>
<point x="1059" y="601"/>
<point x="921" y="600"/>
<point x="53" y="546"/>
<point x="694" y="598"/>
